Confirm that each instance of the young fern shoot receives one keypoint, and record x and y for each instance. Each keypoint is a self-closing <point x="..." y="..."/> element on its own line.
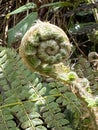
<point x="44" y="49"/>
<point x="43" y="46"/>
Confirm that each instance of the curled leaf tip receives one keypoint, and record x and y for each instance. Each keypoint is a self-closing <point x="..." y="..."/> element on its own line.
<point x="43" y="46"/>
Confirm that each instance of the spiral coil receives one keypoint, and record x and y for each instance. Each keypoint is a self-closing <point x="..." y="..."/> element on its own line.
<point x="44" y="45"/>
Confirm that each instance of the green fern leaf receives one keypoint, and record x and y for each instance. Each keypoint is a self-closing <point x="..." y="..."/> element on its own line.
<point x="29" y="103"/>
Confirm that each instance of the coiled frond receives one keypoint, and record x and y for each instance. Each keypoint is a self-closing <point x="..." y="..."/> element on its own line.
<point x="44" y="48"/>
<point x="43" y="45"/>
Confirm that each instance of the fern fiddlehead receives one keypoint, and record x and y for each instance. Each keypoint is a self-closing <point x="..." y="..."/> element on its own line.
<point x="44" y="45"/>
<point x="44" y="48"/>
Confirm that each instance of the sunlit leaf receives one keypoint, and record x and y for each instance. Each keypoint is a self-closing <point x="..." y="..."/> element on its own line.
<point x="58" y="4"/>
<point x="23" y="8"/>
<point x="20" y="29"/>
<point x="83" y="28"/>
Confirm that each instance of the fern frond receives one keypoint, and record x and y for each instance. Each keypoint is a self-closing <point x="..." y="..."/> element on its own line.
<point x="29" y="103"/>
<point x="15" y="83"/>
<point x="84" y="69"/>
